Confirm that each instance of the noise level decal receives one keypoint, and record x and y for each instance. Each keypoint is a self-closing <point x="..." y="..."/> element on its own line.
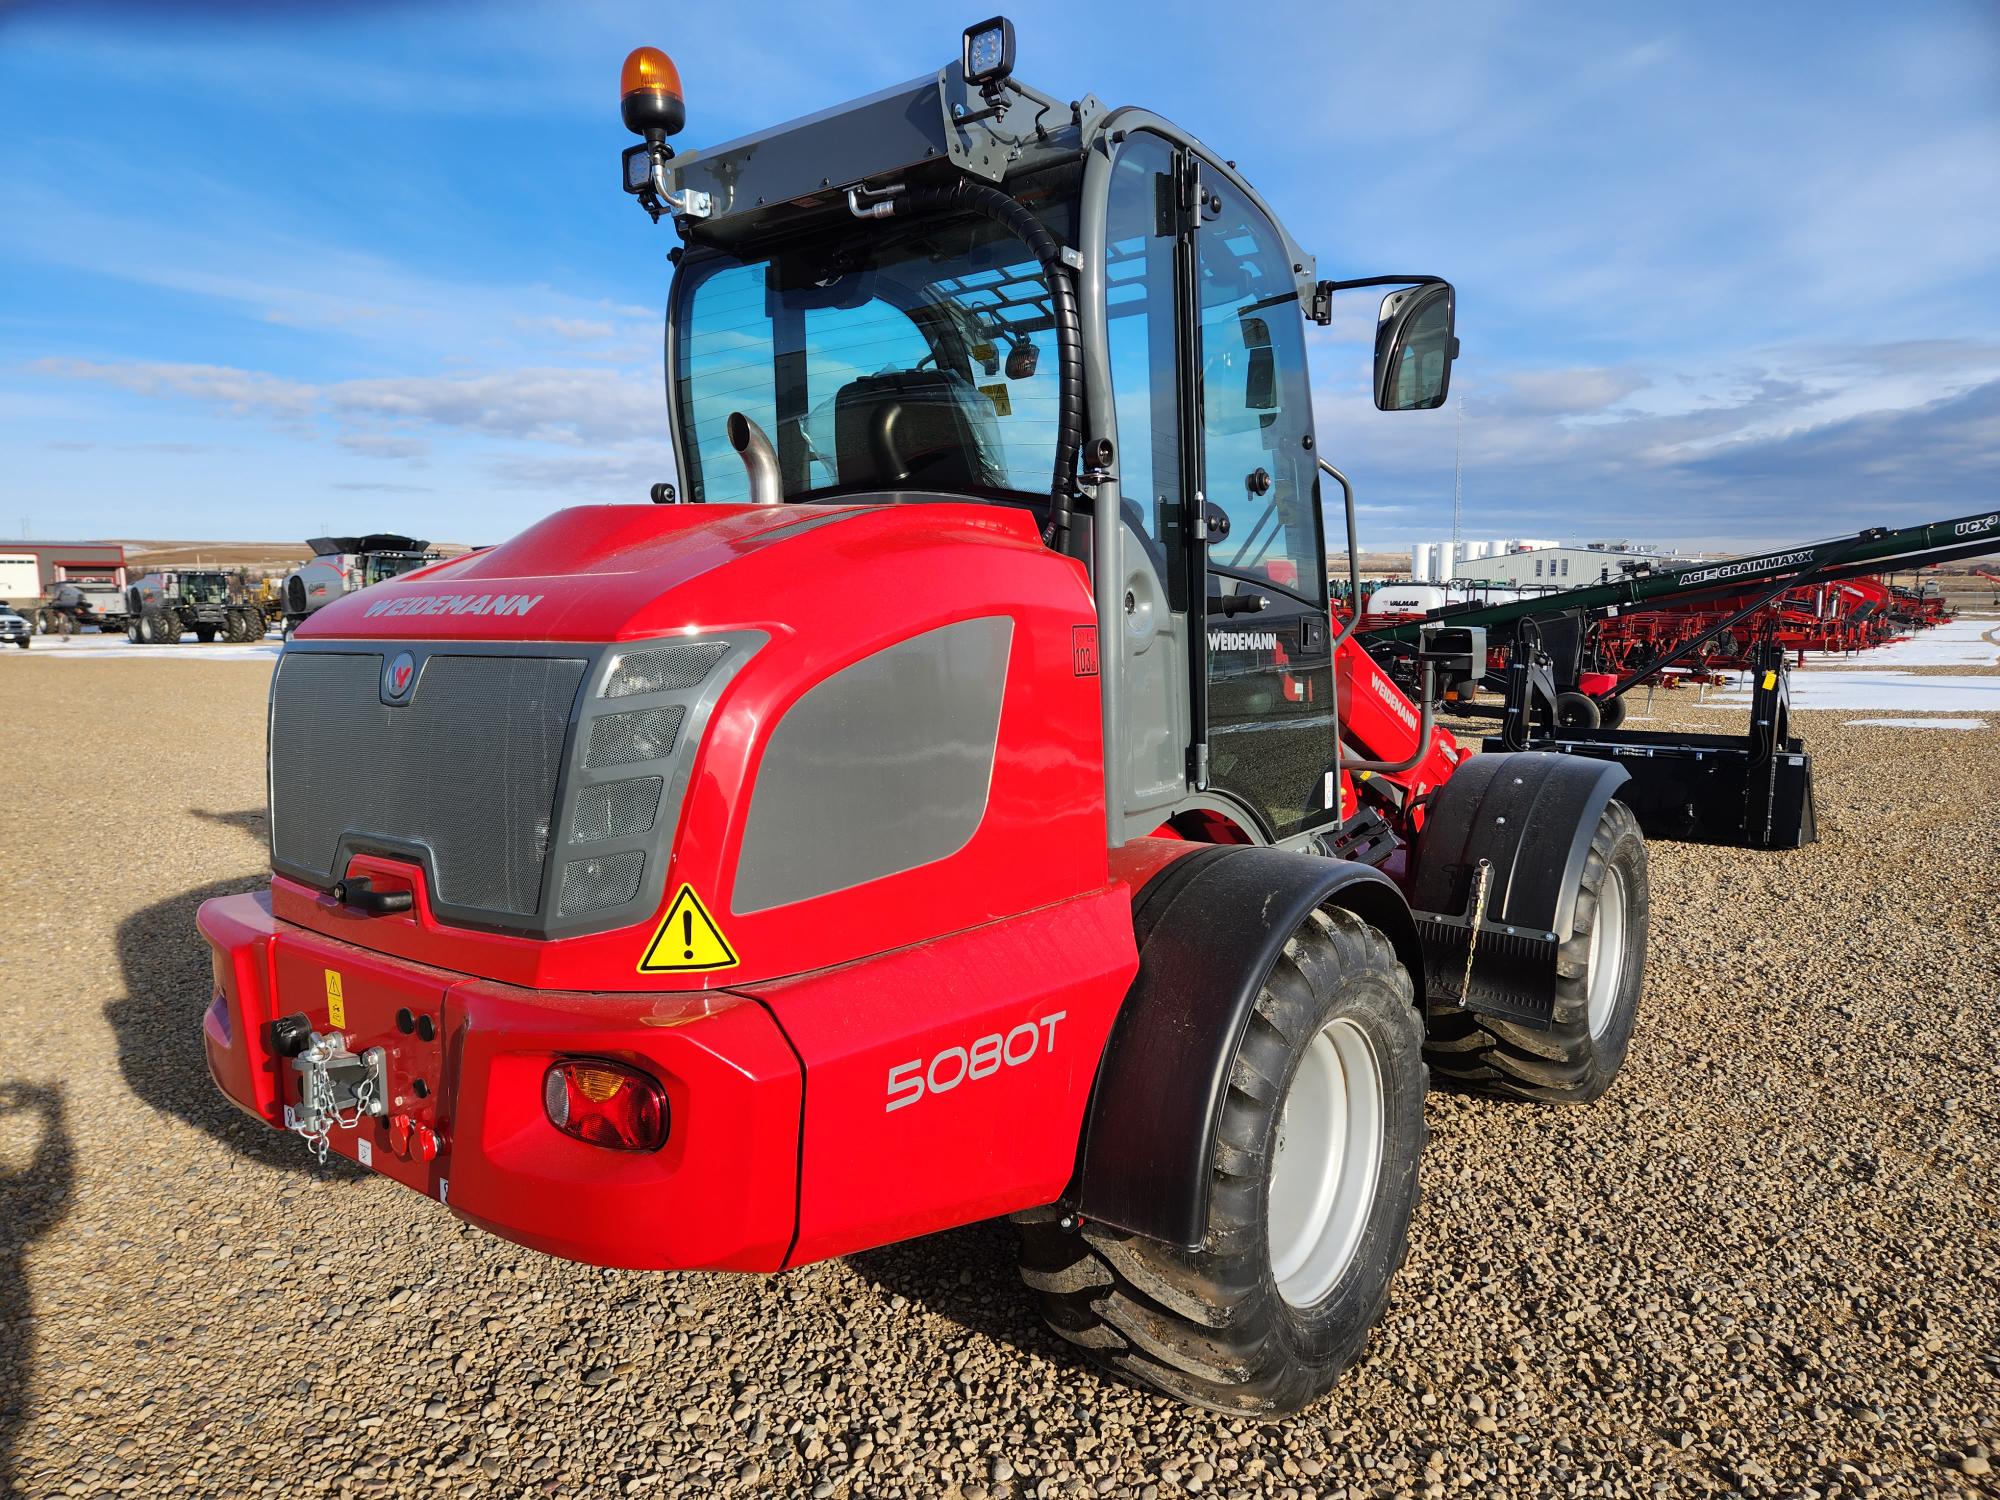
<point x="688" y="940"/>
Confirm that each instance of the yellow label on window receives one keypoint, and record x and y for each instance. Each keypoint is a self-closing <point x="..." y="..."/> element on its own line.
<point x="336" y="1004"/>
<point x="997" y="394"/>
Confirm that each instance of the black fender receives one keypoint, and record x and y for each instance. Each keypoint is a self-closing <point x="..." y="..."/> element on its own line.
<point x="1210" y="926"/>
<point x="1529" y="816"/>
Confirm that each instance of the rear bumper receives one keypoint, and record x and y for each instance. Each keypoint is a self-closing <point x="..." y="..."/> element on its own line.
<point x="721" y="1194"/>
<point x="923" y="1088"/>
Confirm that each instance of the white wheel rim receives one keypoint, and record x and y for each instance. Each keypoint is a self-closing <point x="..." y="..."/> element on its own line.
<point x="1604" y="970"/>
<point x="1327" y="1163"/>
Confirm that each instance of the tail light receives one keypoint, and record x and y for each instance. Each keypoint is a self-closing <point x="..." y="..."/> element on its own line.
<point x="606" y="1104"/>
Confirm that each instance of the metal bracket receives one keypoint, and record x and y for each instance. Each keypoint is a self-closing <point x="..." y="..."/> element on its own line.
<point x="337" y="1087"/>
<point x="689" y="203"/>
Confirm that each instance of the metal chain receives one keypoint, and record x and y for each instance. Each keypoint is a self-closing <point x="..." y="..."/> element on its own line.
<point x="316" y="1103"/>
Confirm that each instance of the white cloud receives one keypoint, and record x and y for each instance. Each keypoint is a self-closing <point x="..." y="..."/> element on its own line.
<point x="548" y="405"/>
<point x="240" y="392"/>
<point x="578" y="330"/>
<point x="1568" y="392"/>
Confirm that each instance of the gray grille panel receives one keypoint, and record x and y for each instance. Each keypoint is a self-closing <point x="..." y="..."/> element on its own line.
<point x="616" y="809"/>
<point x="610" y="880"/>
<point x="642" y="734"/>
<point x="672" y="669"/>
<point x="468" y="768"/>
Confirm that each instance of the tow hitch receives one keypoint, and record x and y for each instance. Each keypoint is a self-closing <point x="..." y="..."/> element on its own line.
<point x="337" y="1087"/>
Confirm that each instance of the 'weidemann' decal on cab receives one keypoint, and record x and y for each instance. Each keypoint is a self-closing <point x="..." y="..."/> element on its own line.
<point x="455" y="604"/>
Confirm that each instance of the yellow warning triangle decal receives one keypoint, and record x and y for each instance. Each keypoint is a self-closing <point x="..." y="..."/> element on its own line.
<point x="687" y="940"/>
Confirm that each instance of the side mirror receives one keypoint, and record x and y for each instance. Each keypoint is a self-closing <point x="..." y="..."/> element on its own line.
<point x="1260" y="380"/>
<point x="1415" y="344"/>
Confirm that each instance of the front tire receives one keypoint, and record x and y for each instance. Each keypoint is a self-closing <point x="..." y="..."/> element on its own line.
<point x="1312" y="1182"/>
<point x="1599" y="973"/>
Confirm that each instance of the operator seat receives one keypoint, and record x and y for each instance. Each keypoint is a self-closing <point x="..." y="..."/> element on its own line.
<point x="908" y="426"/>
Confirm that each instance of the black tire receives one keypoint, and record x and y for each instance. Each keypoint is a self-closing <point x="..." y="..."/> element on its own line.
<point x="160" y="628"/>
<point x="1569" y="1063"/>
<point x="21" y="641"/>
<point x="135" y="631"/>
<point x="205" y="634"/>
<point x="1210" y="1326"/>
<point x="1610" y="712"/>
<point x="1576" y="711"/>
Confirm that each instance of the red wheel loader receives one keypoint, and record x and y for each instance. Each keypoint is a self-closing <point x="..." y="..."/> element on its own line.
<point x="960" y="803"/>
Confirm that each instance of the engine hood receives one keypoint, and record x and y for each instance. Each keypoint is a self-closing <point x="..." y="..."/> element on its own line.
<point x="621" y="572"/>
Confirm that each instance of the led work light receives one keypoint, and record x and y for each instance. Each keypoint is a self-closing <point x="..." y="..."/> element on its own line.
<point x="989" y="51"/>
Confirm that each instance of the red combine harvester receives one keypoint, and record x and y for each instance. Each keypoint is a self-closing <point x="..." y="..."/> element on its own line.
<point x="959" y="805"/>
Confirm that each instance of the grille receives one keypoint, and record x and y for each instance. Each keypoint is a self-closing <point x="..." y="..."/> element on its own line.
<point x="642" y="734"/>
<point x="615" y="809"/>
<point x="610" y="880"/>
<point x="467" y="769"/>
<point x="672" y="669"/>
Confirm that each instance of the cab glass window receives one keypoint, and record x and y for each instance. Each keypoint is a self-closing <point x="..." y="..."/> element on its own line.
<point x="1139" y="311"/>
<point x="908" y="357"/>
<point x="1256" y="401"/>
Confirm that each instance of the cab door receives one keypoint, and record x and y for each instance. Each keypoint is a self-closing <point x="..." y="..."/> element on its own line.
<point x="1265" y="644"/>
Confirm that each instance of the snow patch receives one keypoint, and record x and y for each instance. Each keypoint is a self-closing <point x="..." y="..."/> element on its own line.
<point x="1916" y="723"/>
<point x="117" y="648"/>
<point x="1958" y="643"/>
<point x="1896" y="692"/>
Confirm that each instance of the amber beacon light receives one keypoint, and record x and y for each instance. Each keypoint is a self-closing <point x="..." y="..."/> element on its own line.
<point x="649" y="94"/>
<point x="653" y="106"/>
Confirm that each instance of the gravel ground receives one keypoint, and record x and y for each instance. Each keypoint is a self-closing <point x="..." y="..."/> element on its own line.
<point x="1766" y="1264"/>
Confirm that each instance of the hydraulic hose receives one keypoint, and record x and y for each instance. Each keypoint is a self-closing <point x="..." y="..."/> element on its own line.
<point x="964" y="195"/>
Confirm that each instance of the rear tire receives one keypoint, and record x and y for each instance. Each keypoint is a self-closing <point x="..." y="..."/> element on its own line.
<point x="1300" y="1245"/>
<point x="161" y="628"/>
<point x="1599" y="973"/>
<point x="134" y="630"/>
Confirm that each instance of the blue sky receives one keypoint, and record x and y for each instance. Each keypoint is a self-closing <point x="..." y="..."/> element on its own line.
<point x="1728" y="274"/>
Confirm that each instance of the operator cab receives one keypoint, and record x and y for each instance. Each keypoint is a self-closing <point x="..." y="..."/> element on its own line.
<point x="897" y="359"/>
<point x="204" y="588"/>
<point x="964" y="289"/>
